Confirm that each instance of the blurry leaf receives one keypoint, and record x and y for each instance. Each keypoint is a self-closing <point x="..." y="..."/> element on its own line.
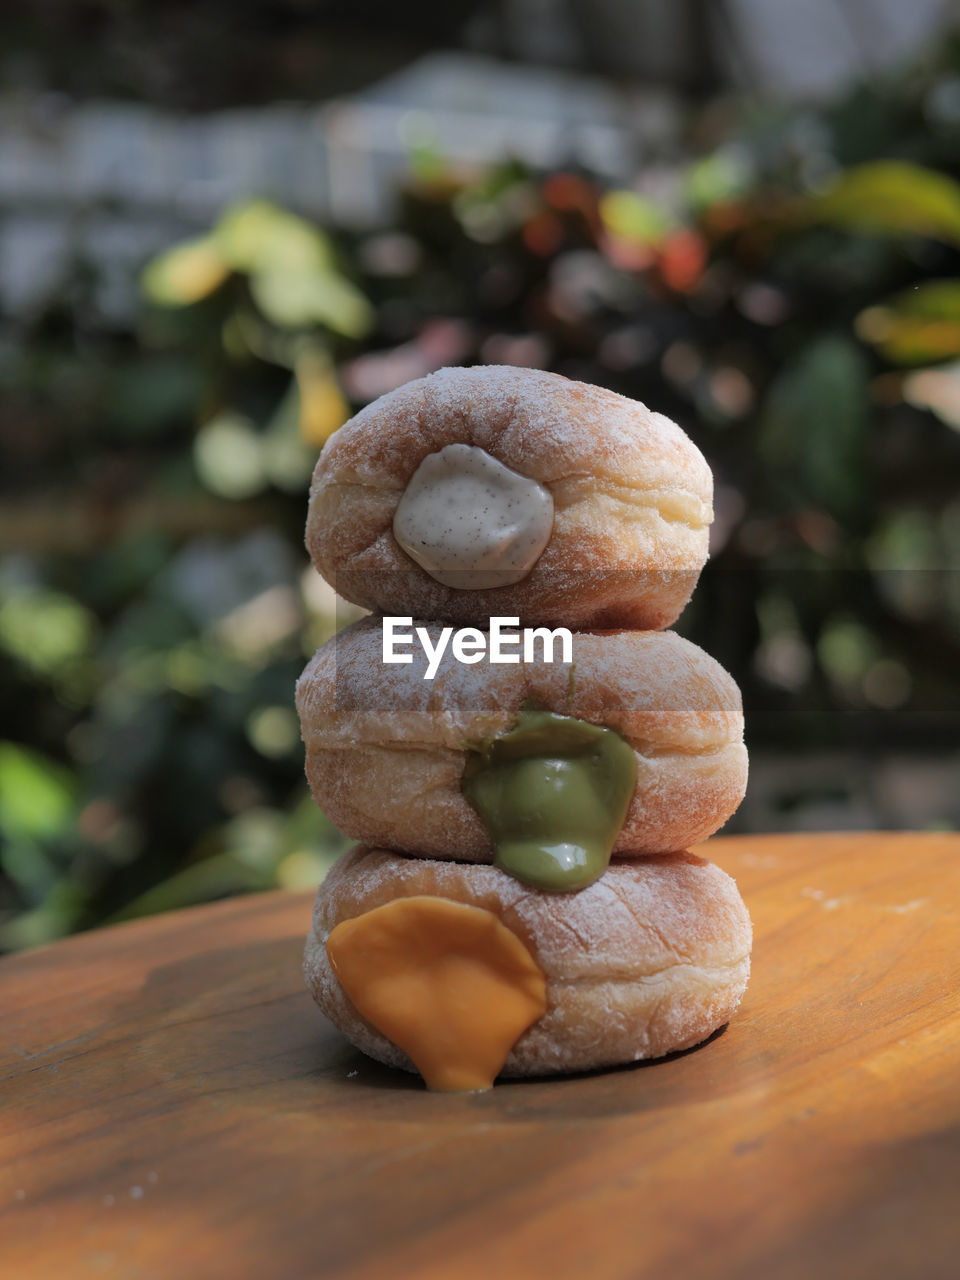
<point x="295" y="299"/>
<point x="303" y="869"/>
<point x="308" y="825"/>
<point x="186" y="273"/>
<point x="428" y="163"/>
<point x="262" y="847"/>
<point x="259" y="236"/>
<point x="891" y="197"/>
<point x="288" y="458"/>
<point x="188" y="669"/>
<point x="917" y="326"/>
<point x="499" y="201"/>
<point x="571" y="193"/>
<point x="26" y="863"/>
<point x="812" y="430"/>
<point x="255" y="838"/>
<point x="290" y="264"/>
<point x="228" y="453"/>
<point x="44" y="629"/>
<point x="725" y="175"/>
<point x="543" y="234"/>
<point x="683" y="259"/>
<point x="322" y="406"/>
<point x="36" y="794"/>
<point x="629" y="216"/>
<point x="846" y="649"/>
<point x="937" y="390"/>
<point x="273" y="731"/>
<point x="499" y="180"/>
<point x="58" y="914"/>
<point x="218" y="877"/>
<point x="245" y="333"/>
<point x="906" y="541"/>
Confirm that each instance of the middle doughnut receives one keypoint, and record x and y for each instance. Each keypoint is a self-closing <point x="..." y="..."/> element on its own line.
<point x="387" y="750"/>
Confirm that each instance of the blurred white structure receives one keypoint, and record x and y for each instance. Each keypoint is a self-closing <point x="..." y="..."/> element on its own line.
<point x="793" y="49"/>
<point x="113" y="182"/>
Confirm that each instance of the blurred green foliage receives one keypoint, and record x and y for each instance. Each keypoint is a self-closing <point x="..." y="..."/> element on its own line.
<point x="794" y="303"/>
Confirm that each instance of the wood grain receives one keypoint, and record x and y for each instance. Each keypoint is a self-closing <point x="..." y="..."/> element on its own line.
<point x="174" y="1105"/>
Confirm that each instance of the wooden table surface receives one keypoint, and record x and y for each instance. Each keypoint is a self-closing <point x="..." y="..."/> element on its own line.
<point x="173" y="1105"/>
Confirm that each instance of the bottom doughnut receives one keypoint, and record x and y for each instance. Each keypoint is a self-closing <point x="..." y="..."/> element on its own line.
<point x="651" y="958"/>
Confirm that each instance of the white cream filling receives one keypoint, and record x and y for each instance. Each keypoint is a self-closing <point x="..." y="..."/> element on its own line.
<point x="471" y="522"/>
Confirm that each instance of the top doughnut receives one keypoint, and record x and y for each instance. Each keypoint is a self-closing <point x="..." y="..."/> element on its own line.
<point x="630" y="497"/>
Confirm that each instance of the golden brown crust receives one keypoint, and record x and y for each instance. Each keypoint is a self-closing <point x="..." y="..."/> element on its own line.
<point x="632" y="499"/>
<point x="651" y="958"/>
<point x="386" y="748"/>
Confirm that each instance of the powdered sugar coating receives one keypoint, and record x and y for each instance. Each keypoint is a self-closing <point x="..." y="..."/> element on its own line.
<point x="632" y="499"/>
<point x="386" y="749"/>
<point x="650" y="958"/>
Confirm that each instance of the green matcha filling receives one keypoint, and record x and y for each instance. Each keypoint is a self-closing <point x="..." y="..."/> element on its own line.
<point x="553" y="793"/>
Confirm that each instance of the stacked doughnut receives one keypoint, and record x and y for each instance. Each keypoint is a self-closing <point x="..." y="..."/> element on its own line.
<point x="522" y="901"/>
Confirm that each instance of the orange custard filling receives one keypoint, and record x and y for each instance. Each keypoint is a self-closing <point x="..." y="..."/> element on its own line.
<point x="448" y="983"/>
